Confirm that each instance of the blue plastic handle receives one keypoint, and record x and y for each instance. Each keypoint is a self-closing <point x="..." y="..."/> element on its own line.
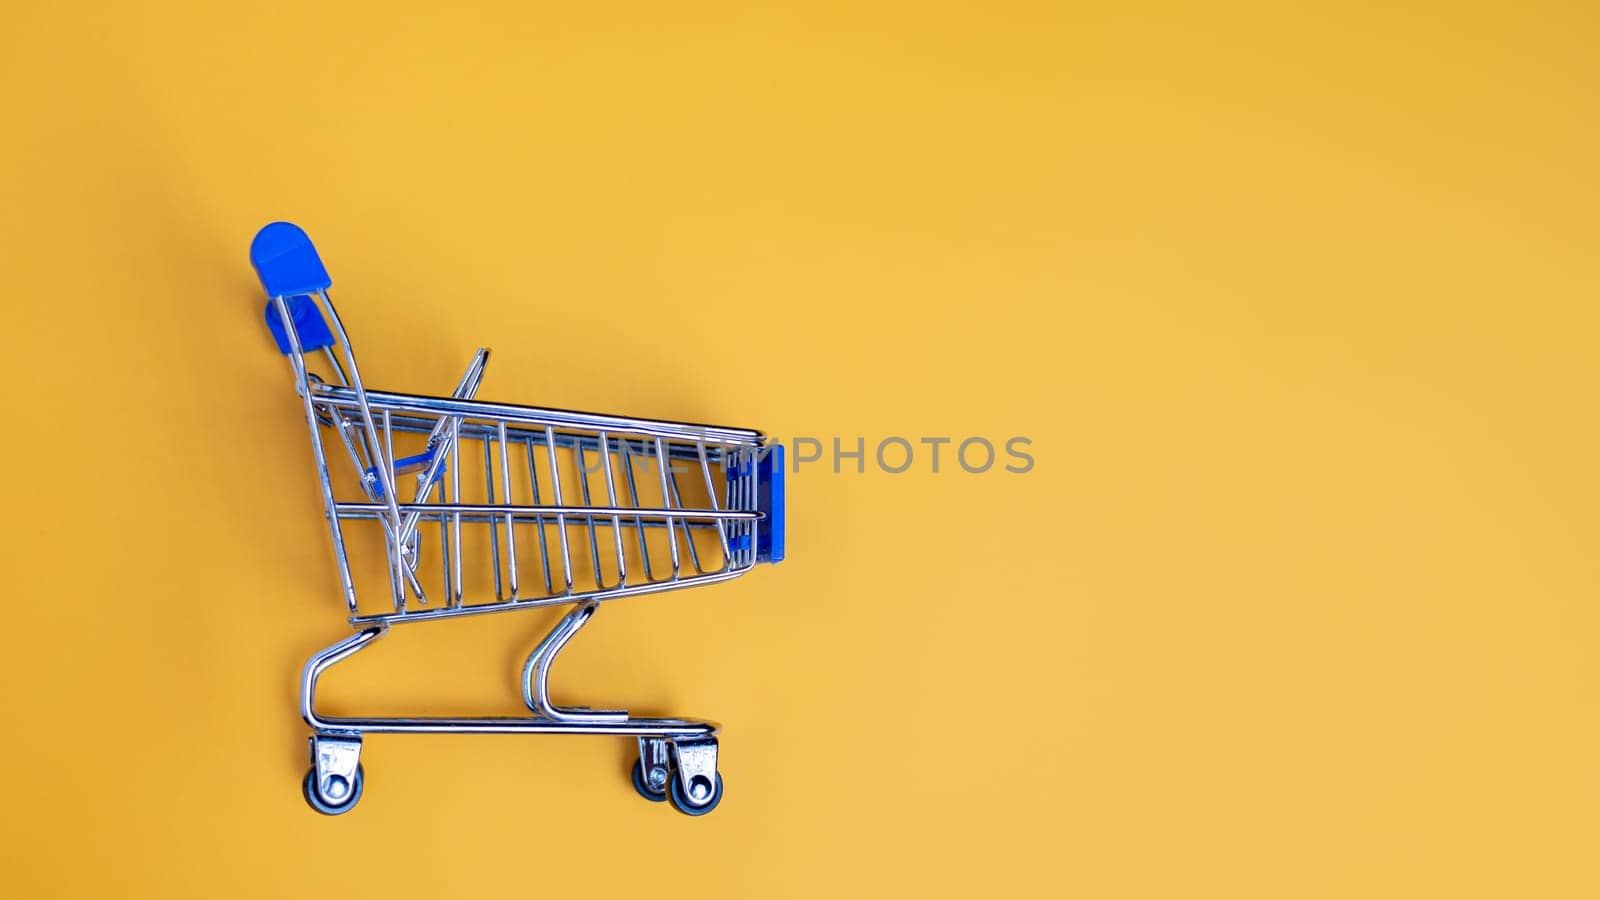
<point x="287" y="262"/>
<point x="288" y="265"/>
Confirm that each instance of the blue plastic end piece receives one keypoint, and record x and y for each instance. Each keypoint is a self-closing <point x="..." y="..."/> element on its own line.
<point x="309" y="325"/>
<point x="770" y="500"/>
<point x="286" y="261"/>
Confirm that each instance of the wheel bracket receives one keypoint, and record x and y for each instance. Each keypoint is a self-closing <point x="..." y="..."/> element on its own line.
<point x="334" y="761"/>
<point x="697" y="769"/>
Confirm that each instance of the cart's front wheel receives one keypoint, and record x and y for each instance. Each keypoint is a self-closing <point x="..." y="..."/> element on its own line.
<point x="352" y="793"/>
<point x="642" y="785"/>
<point x="697" y="798"/>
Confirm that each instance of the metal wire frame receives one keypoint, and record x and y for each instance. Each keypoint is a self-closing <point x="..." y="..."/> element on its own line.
<point x="366" y="423"/>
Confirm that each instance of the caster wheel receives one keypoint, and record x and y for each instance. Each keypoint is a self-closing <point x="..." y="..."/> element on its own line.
<point x="710" y="795"/>
<point x="643" y="786"/>
<point x="315" y="801"/>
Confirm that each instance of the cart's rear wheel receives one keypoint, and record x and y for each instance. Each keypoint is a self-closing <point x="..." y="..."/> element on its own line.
<point x="315" y="801"/>
<point x="698" y="798"/>
<point x="642" y="785"/>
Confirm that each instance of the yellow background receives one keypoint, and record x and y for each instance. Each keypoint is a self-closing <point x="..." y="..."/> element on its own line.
<point x="1296" y="302"/>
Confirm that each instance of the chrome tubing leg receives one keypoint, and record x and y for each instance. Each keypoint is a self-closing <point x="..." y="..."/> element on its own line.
<point x="678" y="757"/>
<point x="536" y="674"/>
<point x="335" y="781"/>
<point x="322" y="661"/>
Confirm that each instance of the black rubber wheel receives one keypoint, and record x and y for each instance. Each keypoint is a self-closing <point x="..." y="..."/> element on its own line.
<point x="643" y="787"/>
<point x="309" y="788"/>
<point x="680" y="799"/>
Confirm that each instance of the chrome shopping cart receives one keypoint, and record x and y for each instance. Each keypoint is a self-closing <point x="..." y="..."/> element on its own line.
<point x="441" y="507"/>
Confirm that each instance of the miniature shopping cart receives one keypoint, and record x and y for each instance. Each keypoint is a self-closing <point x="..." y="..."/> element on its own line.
<point x="441" y="507"/>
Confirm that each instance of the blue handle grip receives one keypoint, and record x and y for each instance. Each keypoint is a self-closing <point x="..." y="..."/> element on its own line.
<point x="288" y="265"/>
<point x="286" y="261"/>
